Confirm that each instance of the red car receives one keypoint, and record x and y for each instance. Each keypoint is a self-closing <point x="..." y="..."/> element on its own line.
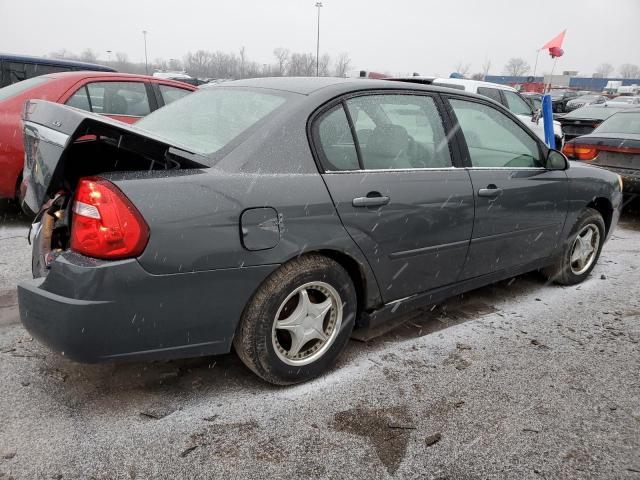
<point x="120" y="96"/>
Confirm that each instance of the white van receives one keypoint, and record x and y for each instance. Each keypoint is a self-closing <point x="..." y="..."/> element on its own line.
<point x="507" y="96"/>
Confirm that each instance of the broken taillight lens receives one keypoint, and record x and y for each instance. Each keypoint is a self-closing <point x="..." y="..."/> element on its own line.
<point x="105" y="223"/>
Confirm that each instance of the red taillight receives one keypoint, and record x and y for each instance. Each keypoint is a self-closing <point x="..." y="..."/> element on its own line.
<point x="105" y="223"/>
<point x="590" y="152"/>
<point x="580" y="152"/>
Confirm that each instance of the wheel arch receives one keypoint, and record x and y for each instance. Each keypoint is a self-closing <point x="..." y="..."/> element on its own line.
<point x="603" y="206"/>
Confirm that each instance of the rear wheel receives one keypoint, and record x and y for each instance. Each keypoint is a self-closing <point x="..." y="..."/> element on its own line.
<point x="581" y="251"/>
<point x="298" y="322"/>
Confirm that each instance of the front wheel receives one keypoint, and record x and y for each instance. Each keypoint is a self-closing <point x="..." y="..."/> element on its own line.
<point x="298" y="322"/>
<point x="581" y="251"/>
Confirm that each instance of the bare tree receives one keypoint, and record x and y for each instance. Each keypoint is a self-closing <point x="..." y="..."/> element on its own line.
<point x="343" y="63"/>
<point x="629" y="70"/>
<point x="517" y="67"/>
<point x="477" y="76"/>
<point x="122" y="62"/>
<point x="175" y="65"/>
<point x="88" y="55"/>
<point x="486" y="66"/>
<point x="603" y="70"/>
<point x="282" y="58"/>
<point x="198" y="64"/>
<point x="462" y="68"/>
<point x="323" y="64"/>
<point x="243" y="60"/>
<point x="62" y="53"/>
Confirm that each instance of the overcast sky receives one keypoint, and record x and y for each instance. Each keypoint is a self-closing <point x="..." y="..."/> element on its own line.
<point x="397" y="36"/>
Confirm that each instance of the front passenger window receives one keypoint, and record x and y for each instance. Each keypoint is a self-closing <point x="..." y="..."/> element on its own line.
<point x="493" y="139"/>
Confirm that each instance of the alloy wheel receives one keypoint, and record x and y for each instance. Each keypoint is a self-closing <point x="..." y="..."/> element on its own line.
<point x="307" y="323"/>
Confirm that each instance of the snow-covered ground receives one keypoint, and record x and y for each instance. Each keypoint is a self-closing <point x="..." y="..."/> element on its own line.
<point x="517" y="380"/>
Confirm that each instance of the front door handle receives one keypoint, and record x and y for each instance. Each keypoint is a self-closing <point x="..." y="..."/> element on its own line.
<point x="491" y="191"/>
<point x="373" y="199"/>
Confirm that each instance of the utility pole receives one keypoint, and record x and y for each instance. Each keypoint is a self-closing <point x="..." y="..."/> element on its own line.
<point x="146" y="60"/>
<point x="318" y="6"/>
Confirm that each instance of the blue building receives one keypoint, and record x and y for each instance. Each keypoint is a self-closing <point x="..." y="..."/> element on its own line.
<point x="579" y="83"/>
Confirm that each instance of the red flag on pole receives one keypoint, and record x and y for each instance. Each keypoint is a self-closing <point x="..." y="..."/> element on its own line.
<point x="555" y="42"/>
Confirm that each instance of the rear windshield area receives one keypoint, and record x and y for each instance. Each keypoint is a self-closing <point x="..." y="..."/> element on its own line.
<point x="210" y="119"/>
<point x="621" y="123"/>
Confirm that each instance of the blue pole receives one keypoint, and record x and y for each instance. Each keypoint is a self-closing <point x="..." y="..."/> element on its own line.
<point x="547" y="120"/>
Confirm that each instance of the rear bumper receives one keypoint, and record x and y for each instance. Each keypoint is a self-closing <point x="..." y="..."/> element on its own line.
<point x="94" y="311"/>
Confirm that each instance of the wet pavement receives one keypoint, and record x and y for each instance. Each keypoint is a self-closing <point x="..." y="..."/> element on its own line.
<point x="516" y="380"/>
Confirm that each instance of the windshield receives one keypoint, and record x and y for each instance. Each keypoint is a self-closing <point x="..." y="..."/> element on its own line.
<point x="621" y="123"/>
<point x="19" y="87"/>
<point x="208" y="120"/>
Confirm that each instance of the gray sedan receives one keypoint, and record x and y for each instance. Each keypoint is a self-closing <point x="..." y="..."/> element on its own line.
<point x="277" y="215"/>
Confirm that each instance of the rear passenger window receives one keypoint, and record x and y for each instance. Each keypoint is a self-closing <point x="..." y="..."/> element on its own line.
<point x="171" y="94"/>
<point x="119" y="98"/>
<point x="493" y="139"/>
<point x="399" y="132"/>
<point x="336" y="142"/>
<point x="492" y="93"/>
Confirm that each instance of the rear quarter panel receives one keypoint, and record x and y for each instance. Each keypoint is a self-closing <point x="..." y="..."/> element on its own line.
<point x="194" y="215"/>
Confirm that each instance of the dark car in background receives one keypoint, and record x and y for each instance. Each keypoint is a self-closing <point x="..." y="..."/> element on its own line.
<point x="120" y="96"/>
<point x="584" y="120"/>
<point x="614" y="145"/>
<point x="16" y="68"/>
<point x="584" y="100"/>
<point x="559" y="99"/>
<point x="277" y="214"/>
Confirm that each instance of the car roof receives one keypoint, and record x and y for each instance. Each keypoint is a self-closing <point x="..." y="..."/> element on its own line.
<point x="55" y="61"/>
<point x="80" y="75"/>
<point x="301" y="85"/>
<point x="309" y="85"/>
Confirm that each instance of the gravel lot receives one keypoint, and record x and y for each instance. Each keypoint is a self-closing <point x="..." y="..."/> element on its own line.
<point x="517" y="380"/>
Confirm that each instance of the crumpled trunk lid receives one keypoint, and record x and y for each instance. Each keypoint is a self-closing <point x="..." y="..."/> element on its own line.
<point x="58" y="149"/>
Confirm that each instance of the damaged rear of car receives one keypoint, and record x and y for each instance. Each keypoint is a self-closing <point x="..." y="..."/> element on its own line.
<point x="123" y="262"/>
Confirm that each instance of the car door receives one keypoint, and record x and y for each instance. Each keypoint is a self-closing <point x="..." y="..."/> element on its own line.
<point x="520" y="206"/>
<point x="389" y="168"/>
<point x="126" y="101"/>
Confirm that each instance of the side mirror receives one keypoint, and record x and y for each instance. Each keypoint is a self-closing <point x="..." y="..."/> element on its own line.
<point x="536" y="116"/>
<point x="556" y="160"/>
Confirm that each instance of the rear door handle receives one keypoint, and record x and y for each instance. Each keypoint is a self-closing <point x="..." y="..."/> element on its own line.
<point x="490" y="191"/>
<point x="370" y="200"/>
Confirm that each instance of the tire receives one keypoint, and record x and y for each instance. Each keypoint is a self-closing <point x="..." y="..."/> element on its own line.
<point x="270" y="352"/>
<point x="568" y="272"/>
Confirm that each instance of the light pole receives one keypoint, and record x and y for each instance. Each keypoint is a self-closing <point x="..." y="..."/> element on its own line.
<point x="318" y="6"/>
<point x="109" y="56"/>
<point x="146" y="61"/>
